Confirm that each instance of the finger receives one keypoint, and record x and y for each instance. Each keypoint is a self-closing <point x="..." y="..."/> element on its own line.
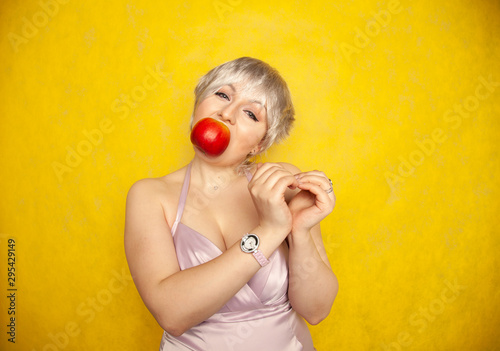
<point x="280" y="178"/>
<point x="260" y="175"/>
<point x="285" y="180"/>
<point x="323" y="199"/>
<point x="267" y="169"/>
<point x="321" y="180"/>
<point x="264" y="172"/>
<point x="272" y="176"/>
<point x="263" y="167"/>
<point x="315" y="172"/>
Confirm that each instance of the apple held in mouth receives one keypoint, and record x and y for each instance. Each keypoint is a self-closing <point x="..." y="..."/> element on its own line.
<point x="211" y="136"/>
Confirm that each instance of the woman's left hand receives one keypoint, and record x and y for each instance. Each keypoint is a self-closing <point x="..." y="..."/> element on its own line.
<point x="313" y="203"/>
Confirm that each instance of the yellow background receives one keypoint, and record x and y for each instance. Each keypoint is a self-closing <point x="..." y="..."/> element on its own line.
<point x="414" y="238"/>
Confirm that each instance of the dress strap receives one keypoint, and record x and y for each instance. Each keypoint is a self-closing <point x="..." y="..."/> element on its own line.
<point x="248" y="174"/>
<point x="182" y="198"/>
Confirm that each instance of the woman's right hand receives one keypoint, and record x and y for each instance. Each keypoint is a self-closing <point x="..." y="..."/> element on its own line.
<point x="267" y="188"/>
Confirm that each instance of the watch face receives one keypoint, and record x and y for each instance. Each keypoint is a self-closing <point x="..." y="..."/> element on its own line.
<point x="249" y="243"/>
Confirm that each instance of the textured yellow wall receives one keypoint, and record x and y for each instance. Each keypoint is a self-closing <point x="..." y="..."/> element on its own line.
<point x="397" y="101"/>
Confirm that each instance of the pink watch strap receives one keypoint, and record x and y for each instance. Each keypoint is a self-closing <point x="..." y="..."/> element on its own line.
<point x="259" y="256"/>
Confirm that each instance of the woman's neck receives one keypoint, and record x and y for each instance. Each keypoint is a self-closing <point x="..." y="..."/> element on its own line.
<point x="213" y="177"/>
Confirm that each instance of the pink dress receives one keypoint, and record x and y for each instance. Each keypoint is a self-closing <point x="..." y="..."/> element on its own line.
<point x="258" y="318"/>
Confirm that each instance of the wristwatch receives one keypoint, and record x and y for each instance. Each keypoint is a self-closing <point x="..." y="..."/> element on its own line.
<point x="249" y="244"/>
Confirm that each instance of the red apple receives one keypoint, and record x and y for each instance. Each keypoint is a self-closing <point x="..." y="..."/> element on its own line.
<point x="211" y="136"/>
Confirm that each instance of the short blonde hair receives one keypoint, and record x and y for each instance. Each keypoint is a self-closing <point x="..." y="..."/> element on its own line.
<point x="258" y="78"/>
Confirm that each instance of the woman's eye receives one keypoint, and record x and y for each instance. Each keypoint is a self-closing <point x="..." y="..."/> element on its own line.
<point x="252" y="115"/>
<point x="222" y="95"/>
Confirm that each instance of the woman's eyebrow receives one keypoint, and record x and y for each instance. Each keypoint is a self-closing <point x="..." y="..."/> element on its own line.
<point x="251" y="101"/>
<point x="258" y="102"/>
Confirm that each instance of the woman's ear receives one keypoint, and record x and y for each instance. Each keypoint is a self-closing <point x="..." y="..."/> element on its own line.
<point x="258" y="147"/>
<point x="256" y="150"/>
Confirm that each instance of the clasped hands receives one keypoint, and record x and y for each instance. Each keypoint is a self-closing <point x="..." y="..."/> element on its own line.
<point x="313" y="198"/>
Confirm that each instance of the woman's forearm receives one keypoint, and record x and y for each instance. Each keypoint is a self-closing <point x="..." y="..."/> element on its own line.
<point x="312" y="284"/>
<point x="188" y="297"/>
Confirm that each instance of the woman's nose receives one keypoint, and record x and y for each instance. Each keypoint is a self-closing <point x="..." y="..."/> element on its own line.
<point x="227" y="113"/>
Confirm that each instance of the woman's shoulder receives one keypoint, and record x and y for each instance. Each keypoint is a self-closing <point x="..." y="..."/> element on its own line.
<point x="161" y="187"/>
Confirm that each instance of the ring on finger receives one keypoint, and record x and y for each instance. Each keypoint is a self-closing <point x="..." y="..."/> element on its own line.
<point x="328" y="191"/>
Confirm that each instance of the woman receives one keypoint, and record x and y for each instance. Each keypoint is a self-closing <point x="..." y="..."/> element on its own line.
<point x="225" y="253"/>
